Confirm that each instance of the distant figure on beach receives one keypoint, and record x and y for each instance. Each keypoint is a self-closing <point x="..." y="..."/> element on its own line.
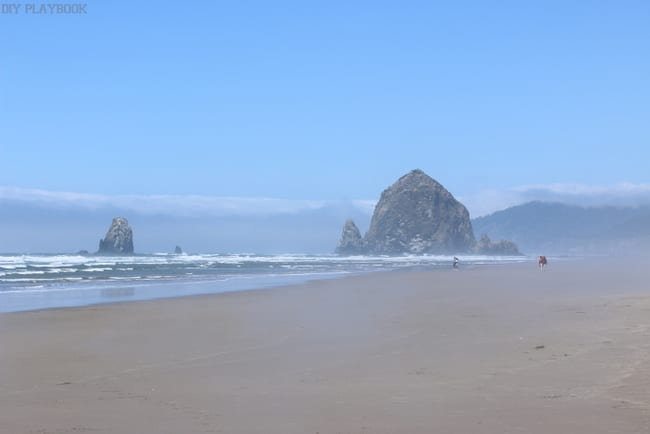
<point x="456" y="261"/>
<point x="541" y="261"/>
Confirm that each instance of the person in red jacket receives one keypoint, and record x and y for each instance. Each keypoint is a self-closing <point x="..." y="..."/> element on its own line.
<point x="541" y="261"/>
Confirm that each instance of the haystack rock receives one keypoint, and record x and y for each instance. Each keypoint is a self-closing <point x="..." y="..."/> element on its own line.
<point x="118" y="239"/>
<point x="418" y="215"/>
<point x="351" y="242"/>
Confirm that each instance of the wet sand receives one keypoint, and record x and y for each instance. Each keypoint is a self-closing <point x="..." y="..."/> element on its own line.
<point x="500" y="349"/>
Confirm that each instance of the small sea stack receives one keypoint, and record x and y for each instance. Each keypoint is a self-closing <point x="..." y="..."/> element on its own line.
<point x="351" y="242"/>
<point x="118" y="239"/>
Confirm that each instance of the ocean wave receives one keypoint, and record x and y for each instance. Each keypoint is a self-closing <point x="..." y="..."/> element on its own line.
<point x="25" y="279"/>
<point x="20" y="271"/>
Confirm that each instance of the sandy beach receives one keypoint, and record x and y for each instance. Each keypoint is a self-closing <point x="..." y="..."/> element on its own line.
<point x="498" y="349"/>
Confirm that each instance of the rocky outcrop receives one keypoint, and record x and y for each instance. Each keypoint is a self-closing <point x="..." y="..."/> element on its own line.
<point x="178" y="250"/>
<point x="418" y="215"/>
<point x="118" y="239"/>
<point x="485" y="246"/>
<point x="351" y="242"/>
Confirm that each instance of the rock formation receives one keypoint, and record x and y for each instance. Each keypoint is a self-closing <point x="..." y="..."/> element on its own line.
<point x="351" y="242"/>
<point x="418" y="215"/>
<point x="485" y="246"/>
<point x="178" y="250"/>
<point x="118" y="239"/>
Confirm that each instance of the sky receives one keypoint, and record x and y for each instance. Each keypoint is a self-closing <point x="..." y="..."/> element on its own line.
<point x="325" y="101"/>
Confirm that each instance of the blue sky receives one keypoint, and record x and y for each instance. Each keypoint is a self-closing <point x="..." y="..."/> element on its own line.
<point x="326" y="101"/>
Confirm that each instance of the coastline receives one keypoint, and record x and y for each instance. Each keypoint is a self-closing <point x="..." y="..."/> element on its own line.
<point x="50" y="281"/>
<point x="491" y="349"/>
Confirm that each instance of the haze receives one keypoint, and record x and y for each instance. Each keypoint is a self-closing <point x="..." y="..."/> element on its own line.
<point x="287" y="118"/>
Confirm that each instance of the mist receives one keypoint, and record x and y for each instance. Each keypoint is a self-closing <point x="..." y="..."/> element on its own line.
<point x="41" y="221"/>
<point x="41" y="227"/>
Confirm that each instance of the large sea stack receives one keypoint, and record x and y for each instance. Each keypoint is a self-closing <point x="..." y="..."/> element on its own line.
<point x="418" y="215"/>
<point x="118" y="239"/>
<point x="414" y="215"/>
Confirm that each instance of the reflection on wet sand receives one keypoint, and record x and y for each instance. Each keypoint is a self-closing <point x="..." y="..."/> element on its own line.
<point x="118" y="292"/>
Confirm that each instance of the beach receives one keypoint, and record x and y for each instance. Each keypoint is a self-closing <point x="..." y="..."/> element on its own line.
<point x="484" y="349"/>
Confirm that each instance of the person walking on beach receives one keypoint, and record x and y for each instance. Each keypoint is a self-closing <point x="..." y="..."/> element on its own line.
<point x="456" y="262"/>
<point x="541" y="261"/>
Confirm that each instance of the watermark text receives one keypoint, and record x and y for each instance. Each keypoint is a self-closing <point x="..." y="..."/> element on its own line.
<point x="43" y="8"/>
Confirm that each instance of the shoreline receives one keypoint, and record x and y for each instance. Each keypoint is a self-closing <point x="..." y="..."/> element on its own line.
<point x="490" y="350"/>
<point x="73" y="296"/>
<point x="130" y="297"/>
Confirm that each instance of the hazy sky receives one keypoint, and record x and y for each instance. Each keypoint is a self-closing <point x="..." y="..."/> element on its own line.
<point x="322" y="101"/>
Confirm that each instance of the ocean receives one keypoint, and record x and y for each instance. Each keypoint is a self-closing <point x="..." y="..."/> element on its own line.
<point x="40" y="281"/>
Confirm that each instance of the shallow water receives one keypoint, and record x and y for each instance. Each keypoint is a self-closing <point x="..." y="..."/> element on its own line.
<point x="30" y="282"/>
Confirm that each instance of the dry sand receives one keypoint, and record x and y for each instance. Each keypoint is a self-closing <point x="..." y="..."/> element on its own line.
<point x="503" y="349"/>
